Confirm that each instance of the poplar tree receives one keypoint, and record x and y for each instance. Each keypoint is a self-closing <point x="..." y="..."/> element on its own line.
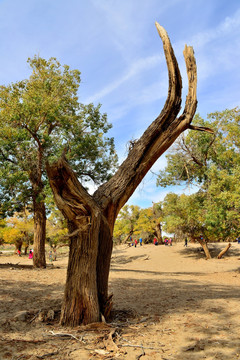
<point x="40" y="118"/>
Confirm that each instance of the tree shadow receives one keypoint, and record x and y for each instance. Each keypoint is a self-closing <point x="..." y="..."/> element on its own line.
<point x="198" y="253"/>
<point x="133" y="300"/>
<point x="213" y="328"/>
<point x="125" y="260"/>
<point x="157" y="273"/>
<point x="15" y="266"/>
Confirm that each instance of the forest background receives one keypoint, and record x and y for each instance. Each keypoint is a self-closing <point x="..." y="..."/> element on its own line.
<point x="215" y="42"/>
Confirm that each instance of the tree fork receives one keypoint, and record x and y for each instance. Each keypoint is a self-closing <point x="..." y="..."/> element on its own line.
<point x="93" y="217"/>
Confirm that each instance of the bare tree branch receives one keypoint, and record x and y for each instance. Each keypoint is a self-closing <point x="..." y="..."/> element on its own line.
<point x="201" y="128"/>
<point x="7" y="158"/>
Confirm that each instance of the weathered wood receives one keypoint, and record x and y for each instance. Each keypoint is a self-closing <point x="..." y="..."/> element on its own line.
<point x="39" y="259"/>
<point x="220" y="255"/>
<point x="91" y="218"/>
<point x="158" y="137"/>
<point x="81" y="304"/>
<point x="205" y="248"/>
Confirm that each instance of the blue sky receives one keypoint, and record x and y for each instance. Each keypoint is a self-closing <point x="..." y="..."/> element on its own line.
<point x="115" y="45"/>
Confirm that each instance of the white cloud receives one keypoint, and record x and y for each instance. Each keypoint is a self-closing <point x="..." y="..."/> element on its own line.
<point x="136" y="68"/>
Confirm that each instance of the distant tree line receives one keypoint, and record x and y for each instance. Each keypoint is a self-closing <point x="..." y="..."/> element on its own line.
<point x="48" y="139"/>
<point x="210" y="162"/>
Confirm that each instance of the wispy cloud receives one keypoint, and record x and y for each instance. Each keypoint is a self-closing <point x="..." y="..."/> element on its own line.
<point x="135" y="68"/>
<point x="206" y="44"/>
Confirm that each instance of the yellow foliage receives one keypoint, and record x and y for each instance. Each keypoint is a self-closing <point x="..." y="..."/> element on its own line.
<point x="17" y="227"/>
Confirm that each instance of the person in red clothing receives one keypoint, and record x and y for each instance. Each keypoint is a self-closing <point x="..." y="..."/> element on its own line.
<point x="135" y="242"/>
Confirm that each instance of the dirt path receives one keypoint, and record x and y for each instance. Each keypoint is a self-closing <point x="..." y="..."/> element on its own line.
<point x="169" y="303"/>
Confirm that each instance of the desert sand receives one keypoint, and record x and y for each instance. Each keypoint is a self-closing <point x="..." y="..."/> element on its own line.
<point x="169" y="303"/>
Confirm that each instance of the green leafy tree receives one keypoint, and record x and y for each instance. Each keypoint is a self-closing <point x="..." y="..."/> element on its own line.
<point x="39" y="119"/>
<point x="184" y="216"/>
<point x="18" y="230"/>
<point x="211" y="161"/>
<point x="57" y="229"/>
<point x="188" y="159"/>
<point x="145" y="223"/>
<point x="127" y="223"/>
<point x="150" y="222"/>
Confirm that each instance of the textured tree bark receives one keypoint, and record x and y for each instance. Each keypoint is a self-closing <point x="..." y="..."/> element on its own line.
<point x="91" y="218"/>
<point x="81" y="303"/>
<point x="105" y="245"/>
<point x="39" y="210"/>
<point x="81" y="298"/>
<point x="39" y="259"/>
<point x="158" y="232"/>
<point x="205" y="249"/>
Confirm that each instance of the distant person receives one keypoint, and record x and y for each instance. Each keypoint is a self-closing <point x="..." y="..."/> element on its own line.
<point x="166" y="241"/>
<point x="186" y="242"/>
<point x="131" y="241"/>
<point x="135" y="242"/>
<point x="30" y="254"/>
<point x="140" y="241"/>
<point x="54" y="254"/>
<point x="50" y="256"/>
<point x="19" y="252"/>
<point x="170" y="241"/>
<point x="238" y="240"/>
<point x="155" y="242"/>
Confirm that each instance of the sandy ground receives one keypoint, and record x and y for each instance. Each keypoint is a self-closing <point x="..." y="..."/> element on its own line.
<point x="169" y="303"/>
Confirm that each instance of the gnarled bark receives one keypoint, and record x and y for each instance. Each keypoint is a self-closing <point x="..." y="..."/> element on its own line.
<point x="39" y="259"/>
<point x="91" y="218"/>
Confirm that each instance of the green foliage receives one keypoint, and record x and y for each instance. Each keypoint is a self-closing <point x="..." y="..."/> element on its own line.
<point x="39" y="119"/>
<point x="189" y="157"/>
<point x="133" y="221"/>
<point x="17" y="229"/>
<point x="57" y="229"/>
<point x="127" y="222"/>
<point x="183" y="215"/>
<point x="212" y="162"/>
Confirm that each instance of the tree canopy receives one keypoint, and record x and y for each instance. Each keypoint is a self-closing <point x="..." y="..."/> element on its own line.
<point x="210" y="161"/>
<point x="136" y="222"/>
<point x="41" y="117"/>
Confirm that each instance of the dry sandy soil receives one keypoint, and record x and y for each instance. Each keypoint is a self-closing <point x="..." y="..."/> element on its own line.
<point x="169" y="303"/>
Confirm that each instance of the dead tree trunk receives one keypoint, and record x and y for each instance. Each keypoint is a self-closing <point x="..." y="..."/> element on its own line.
<point x="91" y="218"/>
<point x="220" y="255"/>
